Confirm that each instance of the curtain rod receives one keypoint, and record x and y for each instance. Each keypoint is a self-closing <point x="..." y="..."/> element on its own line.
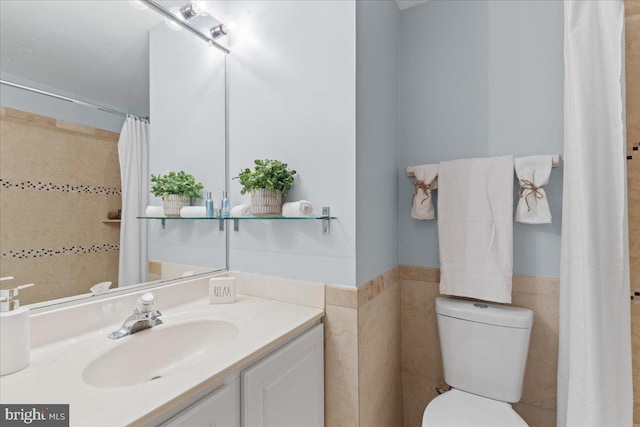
<point x="72" y="100"/>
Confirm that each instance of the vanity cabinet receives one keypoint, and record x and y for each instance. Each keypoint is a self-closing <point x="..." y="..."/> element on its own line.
<point x="221" y="408"/>
<point x="284" y="389"/>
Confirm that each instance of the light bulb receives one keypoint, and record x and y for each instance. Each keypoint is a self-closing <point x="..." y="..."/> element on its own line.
<point x="219" y="31"/>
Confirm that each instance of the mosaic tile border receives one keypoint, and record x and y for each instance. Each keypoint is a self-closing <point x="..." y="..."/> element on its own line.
<point x="634" y="148"/>
<point x="65" y="188"/>
<point x="44" y="252"/>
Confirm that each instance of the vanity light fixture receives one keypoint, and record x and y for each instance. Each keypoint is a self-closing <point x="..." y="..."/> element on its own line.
<point x="219" y="31"/>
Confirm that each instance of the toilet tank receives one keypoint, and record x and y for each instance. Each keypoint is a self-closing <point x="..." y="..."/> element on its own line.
<point x="484" y="347"/>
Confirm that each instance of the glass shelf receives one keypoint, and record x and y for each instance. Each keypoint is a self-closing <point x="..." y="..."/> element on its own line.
<point x="242" y="218"/>
<point x="325" y="218"/>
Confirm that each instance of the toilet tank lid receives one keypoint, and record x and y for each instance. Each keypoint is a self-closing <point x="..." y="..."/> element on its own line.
<point x="485" y="312"/>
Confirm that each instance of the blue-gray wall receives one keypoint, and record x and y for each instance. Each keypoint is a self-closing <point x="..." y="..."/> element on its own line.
<point x="477" y="79"/>
<point x="24" y="100"/>
<point x="376" y="138"/>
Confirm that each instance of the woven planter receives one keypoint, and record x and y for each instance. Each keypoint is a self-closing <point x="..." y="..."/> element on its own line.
<point x="266" y="202"/>
<point x="174" y="202"/>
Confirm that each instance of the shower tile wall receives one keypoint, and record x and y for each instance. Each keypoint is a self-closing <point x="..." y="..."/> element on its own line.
<point x="632" y="46"/>
<point x="58" y="182"/>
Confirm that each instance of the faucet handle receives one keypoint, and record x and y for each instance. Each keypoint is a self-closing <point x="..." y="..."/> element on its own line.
<point x="147" y="302"/>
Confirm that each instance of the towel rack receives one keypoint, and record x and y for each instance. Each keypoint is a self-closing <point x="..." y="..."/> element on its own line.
<point x="554" y="163"/>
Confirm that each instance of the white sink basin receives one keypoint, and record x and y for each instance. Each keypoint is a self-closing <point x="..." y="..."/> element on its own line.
<point x="159" y="352"/>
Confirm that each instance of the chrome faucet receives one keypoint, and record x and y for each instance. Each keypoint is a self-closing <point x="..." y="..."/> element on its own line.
<point x="145" y="316"/>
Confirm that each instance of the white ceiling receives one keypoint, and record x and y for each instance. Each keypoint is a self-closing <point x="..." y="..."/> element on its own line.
<point x="405" y="4"/>
<point x="94" y="49"/>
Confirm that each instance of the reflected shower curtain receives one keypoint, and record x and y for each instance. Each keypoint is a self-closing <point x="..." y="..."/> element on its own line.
<point x="133" y="151"/>
<point x="594" y="367"/>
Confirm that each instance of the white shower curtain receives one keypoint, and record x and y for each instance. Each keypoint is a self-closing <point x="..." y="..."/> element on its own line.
<point x="594" y="369"/>
<point x="133" y="150"/>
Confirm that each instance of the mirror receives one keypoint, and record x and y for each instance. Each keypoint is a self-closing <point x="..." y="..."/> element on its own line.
<point x="61" y="172"/>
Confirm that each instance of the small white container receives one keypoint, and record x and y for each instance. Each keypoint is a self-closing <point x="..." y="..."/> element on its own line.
<point x="15" y="341"/>
<point x="222" y="290"/>
<point x="15" y="332"/>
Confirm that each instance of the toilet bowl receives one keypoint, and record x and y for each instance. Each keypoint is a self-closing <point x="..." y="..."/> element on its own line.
<point x="484" y="352"/>
<point x="457" y="408"/>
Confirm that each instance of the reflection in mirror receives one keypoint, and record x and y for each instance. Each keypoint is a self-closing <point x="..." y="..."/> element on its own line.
<point x="81" y="96"/>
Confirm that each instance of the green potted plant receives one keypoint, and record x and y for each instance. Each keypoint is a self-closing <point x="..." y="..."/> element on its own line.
<point x="176" y="190"/>
<point x="268" y="182"/>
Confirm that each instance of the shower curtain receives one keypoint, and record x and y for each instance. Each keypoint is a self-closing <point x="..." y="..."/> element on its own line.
<point x="133" y="151"/>
<point x="594" y="367"/>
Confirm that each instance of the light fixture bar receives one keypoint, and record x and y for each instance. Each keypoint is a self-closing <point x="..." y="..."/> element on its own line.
<point x="153" y="4"/>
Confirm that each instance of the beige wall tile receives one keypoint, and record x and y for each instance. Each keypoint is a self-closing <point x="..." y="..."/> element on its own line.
<point x="29" y="117"/>
<point x="341" y="296"/>
<point x="32" y="152"/>
<point x="341" y="367"/>
<point x="417" y="392"/>
<point x="542" y="296"/>
<point x="632" y="62"/>
<point x="379" y="354"/>
<point x="420" y="341"/>
<point x="47" y="153"/>
<point x="155" y="267"/>
<point x="412" y="272"/>
<point x="632" y="7"/>
<point x="46" y="273"/>
<point x="421" y="358"/>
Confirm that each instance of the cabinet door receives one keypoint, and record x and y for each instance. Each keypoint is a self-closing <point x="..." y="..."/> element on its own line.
<point x="286" y="389"/>
<point x="219" y="409"/>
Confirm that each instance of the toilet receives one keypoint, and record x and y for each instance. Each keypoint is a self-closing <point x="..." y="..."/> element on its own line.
<point x="484" y="353"/>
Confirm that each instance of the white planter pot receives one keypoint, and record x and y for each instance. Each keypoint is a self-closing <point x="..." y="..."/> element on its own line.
<point x="173" y="203"/>
<point x="266" y="202"/>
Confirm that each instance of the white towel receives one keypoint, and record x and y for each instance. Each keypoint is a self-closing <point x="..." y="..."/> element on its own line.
<point x="475" y="227"/>
<point x="426" y="180"/>
<point x="240" y="211"/>
<point x="297" y="209"/>
<point x="193" y="212"/>
<point x="155" y="211"/>
<point x="533" y="172"/>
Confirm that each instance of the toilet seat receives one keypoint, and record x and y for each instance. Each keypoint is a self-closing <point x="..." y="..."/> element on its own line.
<point x="457" y="408"/>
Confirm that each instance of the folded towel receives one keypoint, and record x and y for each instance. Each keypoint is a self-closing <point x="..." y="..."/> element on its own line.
<point x="241" y="210"/>
<point x="297" y="209"/>
<point x="533" y="172"/>
<point x="475" y="227"/>
<point x="155" y="211"/>
<point x="426" y="180"/>
<point x="193" y="212"/>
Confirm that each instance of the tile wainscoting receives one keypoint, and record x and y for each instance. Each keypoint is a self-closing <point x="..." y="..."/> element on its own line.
<point x="382" y="354"/>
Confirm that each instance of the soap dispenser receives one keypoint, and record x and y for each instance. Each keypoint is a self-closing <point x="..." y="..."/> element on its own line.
<point x="15" y="331"/>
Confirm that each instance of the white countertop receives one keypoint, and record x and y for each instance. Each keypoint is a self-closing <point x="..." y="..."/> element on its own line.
<point x="55" y="373"/>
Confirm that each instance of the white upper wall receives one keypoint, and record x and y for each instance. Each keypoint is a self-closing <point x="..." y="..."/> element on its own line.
<point x="292" y="92"/>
